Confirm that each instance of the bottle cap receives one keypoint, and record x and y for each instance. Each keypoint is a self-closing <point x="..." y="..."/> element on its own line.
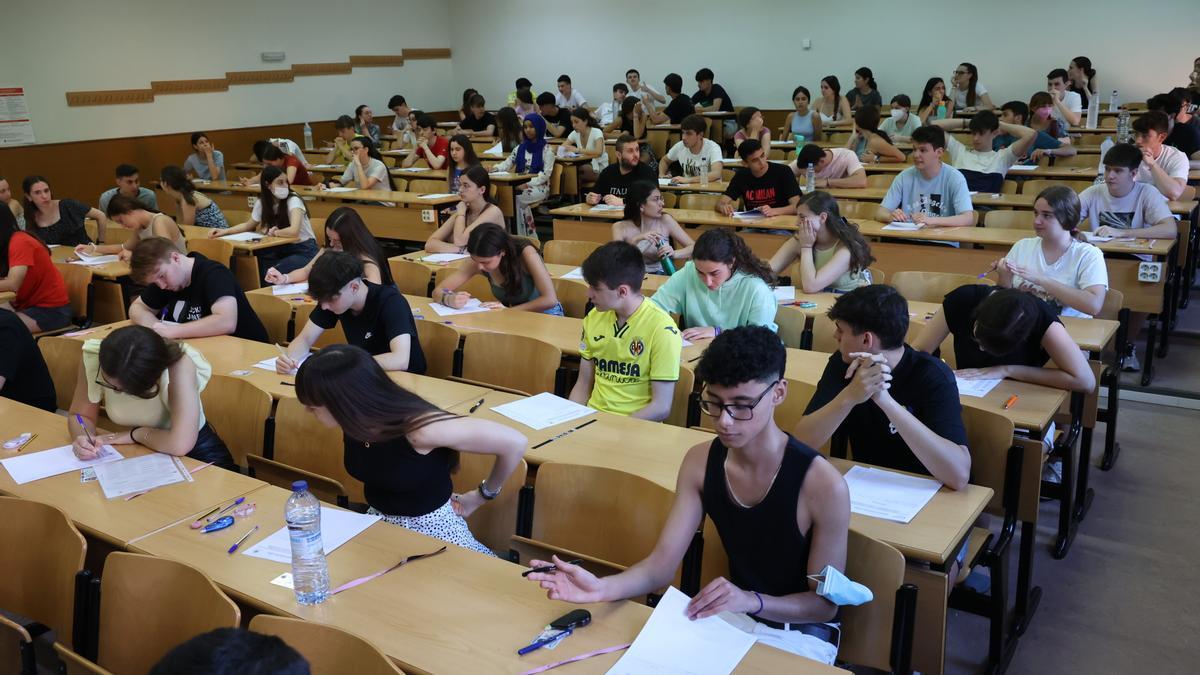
<point x="299" y="486"/>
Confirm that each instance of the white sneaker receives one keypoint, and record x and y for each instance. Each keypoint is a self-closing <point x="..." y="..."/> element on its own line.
<point x="1131" y="363"/>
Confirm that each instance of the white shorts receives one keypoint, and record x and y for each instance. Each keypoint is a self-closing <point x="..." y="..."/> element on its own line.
<point x="793" y="641"/>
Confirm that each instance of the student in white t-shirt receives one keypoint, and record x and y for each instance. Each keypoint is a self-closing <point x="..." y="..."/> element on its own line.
<point x="1123" y="203"/>
<point x="832" y="168"/>
<point x="1164" y="167"/>
<point x="567" y="97"/>
<point x="1068" y="105"/>
<point x="588" y="140"/>
<point x="979" y="163"/>
<point x="967" y="93"/>
<point x="1057" y="265"/>
<point x="609" y="111"/>
<point x="695" y="154"/>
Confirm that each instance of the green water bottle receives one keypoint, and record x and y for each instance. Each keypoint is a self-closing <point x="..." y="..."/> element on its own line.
<point x="668" y="264"/>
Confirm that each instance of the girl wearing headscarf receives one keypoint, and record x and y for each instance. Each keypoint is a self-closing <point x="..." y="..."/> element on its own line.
<point x="534" y="155"/>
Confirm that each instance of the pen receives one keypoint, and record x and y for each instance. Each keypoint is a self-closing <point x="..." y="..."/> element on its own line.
<point x="475" y="407"/>
<point x="199" y="522"/>
<point x="79" y="418"/>
<point x="544" y="641"/>
<point x="1012" y="400"/>
<point x="237" y="501"/>
<point x="282" y="351"/>
<point x="290" y="384"/>
<point x="568" y="431"/>
<point x="246" y="536"/>
<point x="547" y="568"/>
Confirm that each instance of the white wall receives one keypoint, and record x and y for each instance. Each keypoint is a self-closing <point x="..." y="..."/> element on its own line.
<point x="1141" y="48"/>
<point x="57" y="46"/>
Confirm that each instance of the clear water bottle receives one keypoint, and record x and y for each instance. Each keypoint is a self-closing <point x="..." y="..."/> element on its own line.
<point x="310" y="572"/>
<point x="1104" y="148"/>
<point x="1123" y="126"/>
<point x="1093" y="112"/>
<point x="703" y="167"/>
<point x="810" y="179"/>
<point x="308" y="139"/>
<point x="1113" y="101"/>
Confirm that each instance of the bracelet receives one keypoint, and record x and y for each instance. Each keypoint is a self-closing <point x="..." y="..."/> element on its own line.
<point x="760" y="604"/>
<point x="131" y="434"/>
<point x="285" y="279"/>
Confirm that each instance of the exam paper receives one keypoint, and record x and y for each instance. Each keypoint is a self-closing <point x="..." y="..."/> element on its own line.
<point x="473" y="305"/>
<point x="288" y="289"/>
<point x="1022" y="167"/>
<point x="542" y="411"/>
<point x="39" y="465"/>
<point x="138" y="474"/>
<point x="244" y="236"/>
<point x="784" y="293"/>
<point x="339" y="189"/>
<point x="902" y="226"/>
<point x="887" y="494"/>
<point x="438" y="195"/>
<point x="754" y="213"/>
<point x="444" y="257"/>
<point x="607" y="207"/>
<point x="269" y="364"/>
<point x="977" y="388"/>
<point x="576" y="273"/>
<point x="672" y="644"/>
<point x="90" y="260"/>
<point x="337" y="528"/>
<point x="664" y="181"/>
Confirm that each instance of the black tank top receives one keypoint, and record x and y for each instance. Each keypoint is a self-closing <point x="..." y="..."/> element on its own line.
<point x="398" y="480"/>
<point x="767" y="551"/>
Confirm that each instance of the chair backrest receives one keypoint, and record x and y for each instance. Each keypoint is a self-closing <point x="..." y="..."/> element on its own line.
<point x="477" y="285"/>
<point x="1010" y="187"/>
<point x="791" y="410"/>
<point x="931" y="286"/>
<point x="989" y="436"/>
<point x="216" y="250"/>
<point x="318" y="228"/>
<point x="14" y="641"/>
<point x="238" y="410"/>
<point x="78" y="280"/>
<point x="573" y="296"/>
<point x="670" y="199"/>
<point x="582" y="230"/>
<point x="141" y="598"/>
<point x="274" y="312"/>
<point x="867" y="628"/>
<point x="1114" y="300"/>
<point x="878" y="276"/>
<point x="494" y="525"/>
<point x="235" y="216"/>
<point x="327" y="649"/>
<point x="822" y="330"/>
<point x="568" y="252"/>
<point x="856" y="209"/>
<point x="682" y="398"/>
<point x="512" y="361"/>
<point x="556" y="179"/>
<point x="438" y="343"/>
<point x="1079" y="160"/>
<point x="880" y="180"/>
<point x="1010" y="218"/>
<point x="332" y="336"/>
<point x="301" y="441"/>
<point x="63" y="356"/>
<point x="412" y="278"/>
<point x="76" y="664"/>
<point x="40" y="579"/>
<point x="792" y="323"/>
<point x="1033" y="187"/>
<point x="426" y="186"/>
<point x="695" y="200"/>
<point x="1109" y="122"/>
<point x="284" y="476"/>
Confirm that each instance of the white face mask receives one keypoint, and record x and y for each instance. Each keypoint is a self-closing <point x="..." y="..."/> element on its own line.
<point x="280" y="192"/>
<point x="897" y="113"/>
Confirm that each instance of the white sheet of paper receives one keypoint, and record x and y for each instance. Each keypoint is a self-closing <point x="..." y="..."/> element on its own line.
<point x="749" y="214"/>
<point x="269" y="364"/>
<point x="92" y="260"/>
<point x="339" y="188"/>
<point x="664" y="181"/>
<point x="39" y="465"/>
<point x="438" y="195"/>
<point x="780" y="144"/>
<point x="542" y="411"/>
<point x="576" y="273"/>
<point x="502" y="173"/>
<point x="444" y="257"/>
<point x="328" y="166"/>
<point x="138" y="474"/>
<point x="607" y="207"/>
<point x="411" y="169"/>
<point x="686" y="342"/>
<point x="497" y="149"/>
<point x="672" y="644"/>
<point x="1090" y="236"/>
<point x="52" y="246"/>
<point x="337" y="528"/>
<point x="288" y="289"/>
<point x="784" y="293"/>
<point x="244" y="236"/>
<point x="901" y="226"/>
<point x="887" y="494"/>
<point x="473" y="305"/>
<point x="976" y="388"/>
<point x="1022" y="167"/>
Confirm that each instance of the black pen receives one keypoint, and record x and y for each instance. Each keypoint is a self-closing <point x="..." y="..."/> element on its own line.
<point x="547" y="568"/>
<point x="290" y="384"/>
<point x="568" y="431"/>
<point x="475" y="407"/>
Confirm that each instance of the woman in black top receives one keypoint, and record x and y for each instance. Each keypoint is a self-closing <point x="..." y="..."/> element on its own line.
<point x="58" y="221"/>
<point x="1007" y="333"/>
<point x="402" y="447"/>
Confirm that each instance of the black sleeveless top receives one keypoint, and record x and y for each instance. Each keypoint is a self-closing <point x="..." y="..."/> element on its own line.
<point x="767" y="551"/>
<point x="397" y="480"/>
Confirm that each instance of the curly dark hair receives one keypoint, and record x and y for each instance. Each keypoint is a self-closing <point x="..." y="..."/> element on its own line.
<point x="745" y="354"/>
<point x="876" y="308"/>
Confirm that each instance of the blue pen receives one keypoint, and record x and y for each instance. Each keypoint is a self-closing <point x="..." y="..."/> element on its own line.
<point x="543" y="642"/>
<point x="79" y="418"/>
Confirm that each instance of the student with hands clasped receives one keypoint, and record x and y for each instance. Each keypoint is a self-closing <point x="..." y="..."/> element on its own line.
<point x="475" y="208"/>
<point x="782" y="511"/>
<point x="513" y="268"/>
<point x="833" y="255"/>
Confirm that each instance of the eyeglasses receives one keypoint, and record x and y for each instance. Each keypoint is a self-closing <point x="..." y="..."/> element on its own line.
<point x="149" y="394"/>
<point x="738" y="411"/>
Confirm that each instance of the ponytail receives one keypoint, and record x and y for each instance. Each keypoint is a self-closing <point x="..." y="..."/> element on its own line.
<point x="842" y="229"/>
<point x="722" y="245"/>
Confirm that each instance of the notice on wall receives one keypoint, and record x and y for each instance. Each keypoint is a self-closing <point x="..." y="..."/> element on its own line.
<point x="16" y="125"/>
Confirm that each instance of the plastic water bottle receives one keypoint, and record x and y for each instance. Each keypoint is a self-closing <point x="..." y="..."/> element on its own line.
<point x="667" y="264"/>
<point x="941" y="111"/>
<point x="1093" y="112"/>
<point x="1123" y="126"/>
<point x="1104" y="148"/>
<point x="1113" y="101"/>
<point x="310" y="572"/>
<point x="798" y="139"/>
<point x="703" y="169"/>
<point x="810" y="179"/>
<point x="308" y="139"/>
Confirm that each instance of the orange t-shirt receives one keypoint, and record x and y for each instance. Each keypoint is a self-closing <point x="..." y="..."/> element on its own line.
<point x="43" y="285"/>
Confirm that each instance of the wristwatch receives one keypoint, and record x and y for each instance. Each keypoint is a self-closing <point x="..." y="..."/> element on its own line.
<point x="487" y="494"/>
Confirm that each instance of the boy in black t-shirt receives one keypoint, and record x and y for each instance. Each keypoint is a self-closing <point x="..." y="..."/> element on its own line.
<point x="898" y="407"/>
<point x="189" y="296"/>
<point x="23" y="373"/>
<point x="709" y="96"/>
<point x="558" y="120"/>
<point x="614" y="181"/>
<point x="680" y="106"/>
<point x="480" y="122"/>
<point x="763" y="185"/>
<point x="373" y="316"/>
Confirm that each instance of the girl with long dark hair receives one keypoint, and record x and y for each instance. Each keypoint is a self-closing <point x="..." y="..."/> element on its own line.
<point x="344" y="231"/>
<point x="279" y="212"/>
<point x="513" y="268"/>
<point x="475" y="208"/>
<point x="27" y="270"/>
<point x="194" y="208"/>
<point x="833" y="255"/>
<point x="650" y="228"/>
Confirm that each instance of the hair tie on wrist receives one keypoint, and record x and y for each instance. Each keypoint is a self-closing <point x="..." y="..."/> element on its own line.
<point x="760" y="604"/>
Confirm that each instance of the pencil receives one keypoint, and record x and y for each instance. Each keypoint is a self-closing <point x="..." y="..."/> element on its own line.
<point x="568" y="431"/>
<point x="1012" y="400"/>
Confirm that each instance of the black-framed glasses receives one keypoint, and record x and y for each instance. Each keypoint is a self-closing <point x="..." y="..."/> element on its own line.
<point x="738" y="411"/>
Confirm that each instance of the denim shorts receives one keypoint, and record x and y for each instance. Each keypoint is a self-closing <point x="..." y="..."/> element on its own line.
<point x="49" y="318"/>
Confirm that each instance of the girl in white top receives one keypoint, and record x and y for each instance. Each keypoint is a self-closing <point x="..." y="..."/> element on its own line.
<point x="534" y="155"/>
<point x="901" y="122"/>
<point x="475" y="209"/>
<point x="967" y="93"/>
<point x="834" y="108"/>
<point x="279" y="212"/>
<point x="143" y="223"/>
<point x="150" y="384"/>
<point x="832" y="253"/>
<point x="1057" y="265"/>
<point x="588" y="140"/>
<point x="648" y="227"/>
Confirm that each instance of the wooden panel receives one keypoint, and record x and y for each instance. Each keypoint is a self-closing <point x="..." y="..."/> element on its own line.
<point x="321" y="68"/>
<point x="110" y="97"/>
<point x="258" y="76"/>
<point x="189" y="86"/>
<point x="380" y="60"/>
<point x="435" y="53"/>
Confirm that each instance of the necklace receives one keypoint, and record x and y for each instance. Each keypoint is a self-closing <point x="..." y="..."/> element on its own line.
<point x="734" y="497"/>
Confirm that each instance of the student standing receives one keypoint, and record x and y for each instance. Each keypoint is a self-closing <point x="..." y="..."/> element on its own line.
<point x="648" y="227"/>
<point x="462" y="157"/>
<point x="694" y="155"/>
<point x="431" y="147"/>
<point x="344" y="231"/>
<point x="513" y="268"/>
<point x="150" y="385"/>
<point x="41" y="302"/>
<point x="588" y="140"/>
<point x="206" y="163"/>
<point x="364" y="123"/>
<point x="629" y="362"/>
<point x="475" y="208"/>
<point x="281" y="213"/>
<point x="761" y="185"/>
<point x="833" y="107"/>
<point x="478" y="122"/>
<point x="723" y="286"/>
<point x="198" y="297"/>
<point x="24" y="377"/>
<point x="803" y="121"/>
<point x="534" y="155"/>
<point x="680" y="106"/>
<point x="900" y="122"/>
<point x="143" y="224"/>
<point x="404" y="448"/>
<point x="832" y="167"/>
<point x="968" y="93"/>
<point x="58" y="221"/>
<point x="129" y="184"/>
<point x="193" y="207"/>
<point x="930" y="192"/>
<point x="782" y="511"/>
<point x="375" y="317"/>
<point x="865" y="91"/>
<point x="1162" y="166"/>
<point x="615" y="181"/>
<point x="934" y="105"/>
<point x="833" y="255"/>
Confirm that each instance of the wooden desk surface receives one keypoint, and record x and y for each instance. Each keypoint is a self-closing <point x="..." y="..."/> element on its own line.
<point x="713" y="186"/>
<point x="419" y="172"/>
<point x="1017" y="201"/>
<point x="471" y="615"/>
<point x="266" y="241"/>
<point x="684" y="217"/>
<point x="511" y="178"/>
<point x="650" y="283"/>
<point x="116" y="521"/>
<point x="1004" y="236"/>
<point x="562" y="332"/>
<point x="396" y="153"/>
<point x="406" y="198"/>
<point x="110" y="271"/>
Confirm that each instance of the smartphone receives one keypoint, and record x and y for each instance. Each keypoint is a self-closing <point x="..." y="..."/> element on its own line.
<point x="576" y="618"/>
